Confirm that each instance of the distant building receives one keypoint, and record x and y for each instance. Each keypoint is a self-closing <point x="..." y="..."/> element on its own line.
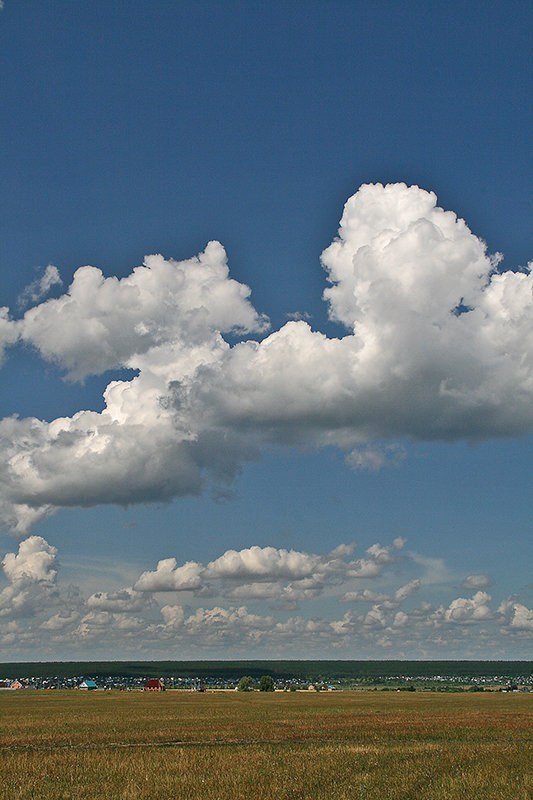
<point x="87" y="685"/>
<point x="154" y="685"/>
<point x="16" y="685"/>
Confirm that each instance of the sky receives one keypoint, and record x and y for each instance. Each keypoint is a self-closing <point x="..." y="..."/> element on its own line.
<point x="266" y="330"/>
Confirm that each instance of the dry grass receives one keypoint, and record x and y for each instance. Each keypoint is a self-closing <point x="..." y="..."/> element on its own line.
<point x="383" y="746"/>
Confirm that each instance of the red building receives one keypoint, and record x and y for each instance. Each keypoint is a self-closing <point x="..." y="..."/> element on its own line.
<point x="154" y="685"/>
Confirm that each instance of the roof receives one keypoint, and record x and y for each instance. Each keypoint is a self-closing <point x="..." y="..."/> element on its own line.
<point x="88" y="685"/>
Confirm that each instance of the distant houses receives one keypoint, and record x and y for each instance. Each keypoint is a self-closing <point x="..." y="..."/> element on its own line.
<point x="154" y="685"/>
<point x="16" y="685"/>
<point x="87" y="685"/>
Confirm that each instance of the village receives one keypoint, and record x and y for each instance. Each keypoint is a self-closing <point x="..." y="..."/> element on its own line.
<point x="502" y="683"/>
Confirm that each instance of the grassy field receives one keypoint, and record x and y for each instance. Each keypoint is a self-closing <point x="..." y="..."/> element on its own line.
<point x="232" y="746"/>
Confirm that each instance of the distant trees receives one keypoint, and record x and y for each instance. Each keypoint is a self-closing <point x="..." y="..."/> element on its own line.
<point x="266" y="684"/>
<point x="246" y="684"/>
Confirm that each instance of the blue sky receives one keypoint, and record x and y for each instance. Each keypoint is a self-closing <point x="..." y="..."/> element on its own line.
<point x="145" y="128"/>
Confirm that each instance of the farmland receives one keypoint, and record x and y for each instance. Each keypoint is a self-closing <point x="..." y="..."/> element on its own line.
<point x="233" y="746"/>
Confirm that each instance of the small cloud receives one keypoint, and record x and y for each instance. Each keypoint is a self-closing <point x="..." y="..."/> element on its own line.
<point x="364" y="596"/>
<point x="373" y="459"/>
<point x="466" y="610"/>
<point x="169" y="577"/>
<point x="388" y="601"/>
<point x="475" y="582"/>
<point x="40" y="287"/>
<point x="223" y="494"/>
<point x="124" y="600"/>
<point x="299" y="315"/>
<point x="436" y="571"/>
<point x="399" y="542"/>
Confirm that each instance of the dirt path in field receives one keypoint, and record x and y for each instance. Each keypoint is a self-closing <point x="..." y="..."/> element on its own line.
<point x="217" y="743"/>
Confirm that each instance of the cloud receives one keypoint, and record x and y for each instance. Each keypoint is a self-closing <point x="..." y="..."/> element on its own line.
<point x="168" y="577"/>
<point x="298" y="315"/>
<point x="244" y="567"/>
<point x="260" y="573"/>
<point x="516" y="616"/>
<point x="413" y="366"/>
<point x="267" y="562"/>
<point x="35" y="561"/>
<point x="173" y="616"/>
<point x="40" y="287"/>
<point x="62" y="621"/>
<point x="438" y="347"/>
<point x="404" y="592"/>
<point x="123" y="600"/>
<point x="104" y="323"/>
<point x="463" y="610"/>
<point x="376" y="559"/>
<point x="477" y="582"/>
<point x="400" y="619"/>
<point x="99" y="625"/>
<point x="382" y="602"/>
<point x="261" y="591"/>
<point x="364" y="596"/>
<point x="8" y="331"/>
<point x="32" y="577"/>
<point x="435" y="569"/>
<point x="372" y="459"/>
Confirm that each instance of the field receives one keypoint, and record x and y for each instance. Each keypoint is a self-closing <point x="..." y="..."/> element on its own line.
<point x="233" y="746"/>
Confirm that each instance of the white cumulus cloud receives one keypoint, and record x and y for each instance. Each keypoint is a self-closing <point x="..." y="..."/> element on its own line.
<point x="438" y="346"/>
<point x="31" y="575"/>
<point x="37" y="612"/>
<point x="169" y="577"/>
<point x="35" y="561"/>
<point x="466" y="610"/>
<point x="101" y="323"/>
<point x="517" y="616"/>
<point x="255" y="573"/>
<point x="474" y="582"/>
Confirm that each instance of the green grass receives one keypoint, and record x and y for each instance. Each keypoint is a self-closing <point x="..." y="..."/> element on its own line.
<point x="228" y="746"/>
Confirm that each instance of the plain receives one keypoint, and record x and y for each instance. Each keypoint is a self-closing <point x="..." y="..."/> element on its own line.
<point x="233" y="746"/>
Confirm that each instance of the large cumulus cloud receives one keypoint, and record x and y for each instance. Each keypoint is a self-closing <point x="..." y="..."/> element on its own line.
<point x="438" y="346"/>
